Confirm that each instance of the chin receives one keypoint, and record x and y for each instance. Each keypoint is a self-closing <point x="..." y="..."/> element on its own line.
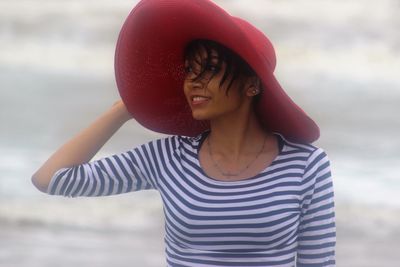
<point x="200" y="116"/>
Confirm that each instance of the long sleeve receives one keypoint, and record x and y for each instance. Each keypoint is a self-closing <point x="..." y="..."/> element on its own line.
<point x="317" y="230"/>
<point x="117" y="174"/>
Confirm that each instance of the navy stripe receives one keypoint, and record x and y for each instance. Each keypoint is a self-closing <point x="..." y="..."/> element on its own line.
<point x="109" y="175"/>
<point x="81" y="182"/>
<point x="271" y="262"/>
<point x="317" y="246"/>
<point x="113" y="168"/>
<point x="322" y="264"/>
<point x="70" y="181"/>
<point x="102" y="180"/>
<point x="94" y="186"/>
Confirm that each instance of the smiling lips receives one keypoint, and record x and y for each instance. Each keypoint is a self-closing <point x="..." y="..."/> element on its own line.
<point x="198" y="100"/>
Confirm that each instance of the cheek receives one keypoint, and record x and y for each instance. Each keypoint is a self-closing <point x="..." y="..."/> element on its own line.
<point x="233" y="96"/>
<point x="234" y="101"/>
<point x="185" y="87"/>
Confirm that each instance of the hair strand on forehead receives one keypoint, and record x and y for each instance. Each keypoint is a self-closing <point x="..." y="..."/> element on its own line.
<point x="236" y="67"/>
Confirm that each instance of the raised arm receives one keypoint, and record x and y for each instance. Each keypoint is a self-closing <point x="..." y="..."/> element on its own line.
<point x="81" y="148"/>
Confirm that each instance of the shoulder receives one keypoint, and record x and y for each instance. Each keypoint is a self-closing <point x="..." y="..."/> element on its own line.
<point x="309" y="154"/>
<point x="185" y="141"/>
<point x="177" y="140"/>
<point x="313" y="161"/>
<point x="296" y="146"/>
<point x="172" y="143"/>
<point x="307" y="149"/>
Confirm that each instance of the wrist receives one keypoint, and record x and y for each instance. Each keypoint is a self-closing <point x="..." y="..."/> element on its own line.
<point x="120" y="112"/>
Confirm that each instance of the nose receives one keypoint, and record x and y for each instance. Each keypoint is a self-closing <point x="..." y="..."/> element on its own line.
<point x="194" y="83"/>
<point x="197" y="85"/>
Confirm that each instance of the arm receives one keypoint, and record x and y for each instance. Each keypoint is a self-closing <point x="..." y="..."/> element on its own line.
<point x="117" y="174"/>
<point x="81" y="148"/>
<point x="317" y="231"/>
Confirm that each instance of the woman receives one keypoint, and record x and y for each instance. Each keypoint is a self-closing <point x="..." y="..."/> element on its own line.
<point x="247" y="189"/>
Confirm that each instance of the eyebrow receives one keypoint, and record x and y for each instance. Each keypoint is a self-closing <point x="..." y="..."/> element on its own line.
<point x="199" y="62"/>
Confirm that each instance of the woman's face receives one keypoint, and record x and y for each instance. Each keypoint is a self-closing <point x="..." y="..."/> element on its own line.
<point x="207" y="99"/>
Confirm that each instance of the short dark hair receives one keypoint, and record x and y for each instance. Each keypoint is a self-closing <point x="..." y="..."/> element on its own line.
<point x="235" y="66"/>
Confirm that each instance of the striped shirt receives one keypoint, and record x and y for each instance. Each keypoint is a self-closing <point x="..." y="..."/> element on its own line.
<point x="284" y="216"/>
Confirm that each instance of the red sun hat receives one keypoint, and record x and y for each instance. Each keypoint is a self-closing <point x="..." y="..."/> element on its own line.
<point x="149" y="67"/>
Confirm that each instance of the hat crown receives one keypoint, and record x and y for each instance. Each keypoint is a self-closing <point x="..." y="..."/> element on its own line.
<point x="258" y="40"/>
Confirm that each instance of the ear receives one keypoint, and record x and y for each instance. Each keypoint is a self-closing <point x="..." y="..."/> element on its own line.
<point x="253" y="87"/>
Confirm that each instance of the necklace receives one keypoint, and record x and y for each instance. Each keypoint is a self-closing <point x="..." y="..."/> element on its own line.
<point x="229" y="174"/>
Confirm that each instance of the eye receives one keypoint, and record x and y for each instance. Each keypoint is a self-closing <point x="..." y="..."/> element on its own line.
<point x="213" y="68"/>
<point x="210" y="67"/>
<point x="188" y="69"/>
<point x="192" y="69"/>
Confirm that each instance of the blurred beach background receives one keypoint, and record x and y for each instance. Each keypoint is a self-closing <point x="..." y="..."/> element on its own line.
<point x="338" y="59"/>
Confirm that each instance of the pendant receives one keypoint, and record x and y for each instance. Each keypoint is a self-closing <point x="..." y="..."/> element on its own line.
<point x="229" y="174"/>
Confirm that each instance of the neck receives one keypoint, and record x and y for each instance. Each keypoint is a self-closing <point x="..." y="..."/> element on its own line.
<point x="236" y="134"/>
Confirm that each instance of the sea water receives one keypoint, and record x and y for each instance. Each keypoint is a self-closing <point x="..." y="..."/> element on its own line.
<point x="339" y="60"/>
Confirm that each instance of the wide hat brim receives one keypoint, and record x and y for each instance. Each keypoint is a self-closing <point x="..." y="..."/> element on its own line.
<point x="149" y="67"/>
